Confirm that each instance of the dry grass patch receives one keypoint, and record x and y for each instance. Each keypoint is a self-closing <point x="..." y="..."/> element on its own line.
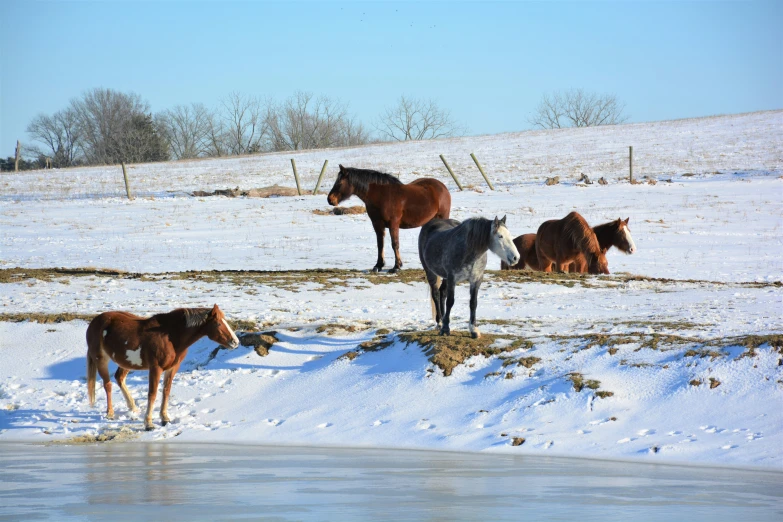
<point x="44" y="318"/>
<point x="448" y="351"/>
<point x="260" y="342"/>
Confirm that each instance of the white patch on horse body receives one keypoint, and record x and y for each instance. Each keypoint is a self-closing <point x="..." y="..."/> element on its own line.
<point x="134" y="356"/>
<point x="105" y="332"/>
<point x="632" y="245"/>
<point x="233" y="335"/>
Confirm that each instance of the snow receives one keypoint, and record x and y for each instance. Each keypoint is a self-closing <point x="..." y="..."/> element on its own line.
<point x="709" y="257"/>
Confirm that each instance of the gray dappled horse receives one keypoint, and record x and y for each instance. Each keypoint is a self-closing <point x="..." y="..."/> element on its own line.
<point x="452" y="252"/>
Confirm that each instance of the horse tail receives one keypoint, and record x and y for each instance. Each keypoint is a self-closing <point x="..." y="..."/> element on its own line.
<point x="92" y="370"/>
<point x="438" y="281"/>
<point x="92" y="367"/>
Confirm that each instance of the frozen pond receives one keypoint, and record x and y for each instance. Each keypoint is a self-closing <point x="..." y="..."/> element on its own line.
<point x="209" y="481"/>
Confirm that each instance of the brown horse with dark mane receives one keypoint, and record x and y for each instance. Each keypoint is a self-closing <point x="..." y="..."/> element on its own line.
<point x="158" y="344"/>
<point x="560" y="241"/>
<point x="392" y="204"/>
<point x="612" y="234"/>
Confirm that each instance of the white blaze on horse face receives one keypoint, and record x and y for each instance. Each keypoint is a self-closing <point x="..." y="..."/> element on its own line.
<point x="503" y="246"/>
<point x="631" y="244"/>
<point x="134" y="356"/>
<point x="235" y="341"/>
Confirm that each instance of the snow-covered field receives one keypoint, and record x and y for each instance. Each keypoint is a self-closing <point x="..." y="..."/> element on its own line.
<point x="667" y="333"/>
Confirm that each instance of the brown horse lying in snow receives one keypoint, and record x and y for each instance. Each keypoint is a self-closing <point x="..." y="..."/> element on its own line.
<point x="612" y="234"/>
<point x="158" y="344"/>
<point x="560" y="241"/>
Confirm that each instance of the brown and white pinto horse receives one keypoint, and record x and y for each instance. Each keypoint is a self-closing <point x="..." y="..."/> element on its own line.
<point x="560" y="241"/>
<point x="392" y="204"/>
<point x="158" y="344"/>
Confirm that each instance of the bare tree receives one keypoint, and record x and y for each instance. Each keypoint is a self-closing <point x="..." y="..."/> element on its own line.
<point x="60" y="136"/>
<point x="577" y="108"/>
<point x="305" y="122"/>
<point x="104" y="117"/>
<point x="415" y="119"/>
<point x="244" y="124"/>
<point x="186" y="129"/>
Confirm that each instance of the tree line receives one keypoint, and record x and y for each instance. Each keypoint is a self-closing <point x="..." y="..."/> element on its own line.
<point x="106" y="127"/>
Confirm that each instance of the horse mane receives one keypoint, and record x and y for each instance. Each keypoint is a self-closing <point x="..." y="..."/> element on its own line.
<point x="194" y="316"/>
<point x="478" y="231"/>
<point x="579" y="232"/>
<point x="361" y="178"/>
<point x="605" y="234"/>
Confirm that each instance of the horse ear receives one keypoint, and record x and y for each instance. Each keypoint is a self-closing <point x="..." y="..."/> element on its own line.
<point x="342" y="168"/>
<point x="627" y="220"/>
<point x="503" y="220"/>
<point x="214" y="311"/>
<point x="495" y="223"/>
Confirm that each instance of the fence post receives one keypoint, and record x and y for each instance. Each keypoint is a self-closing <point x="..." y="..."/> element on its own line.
<point x="320" y="177"/>
<point x="630" y="163"/>
<point x="296" y="177"/>
<point x="127" y="185"/>
<point x="482" y="171"/>
<point x="16" y="157"/>
<point x="450" y="171"/>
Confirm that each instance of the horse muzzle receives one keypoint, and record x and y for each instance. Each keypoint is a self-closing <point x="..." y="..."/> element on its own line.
<point x="232" y="345"/>
<point x="332" y="200"/>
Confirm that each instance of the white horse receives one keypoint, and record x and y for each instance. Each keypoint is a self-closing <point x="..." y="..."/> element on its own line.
<point x="453" y="252"/>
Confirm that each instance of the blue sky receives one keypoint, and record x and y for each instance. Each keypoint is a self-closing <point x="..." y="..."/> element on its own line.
<point x="489" y="63"/>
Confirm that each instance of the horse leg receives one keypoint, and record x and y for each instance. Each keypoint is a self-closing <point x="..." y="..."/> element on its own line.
<point x="474" y="288"/>
<point x="444" y="290"/>
<point x="380" y="236"/>
<point x="103" y="371"/>
<point x="450" y="284"/>
<point x="543" y="261"/>
<point x="151" y="394"/>
<point x="394" y="232"/>
<point x="168" y="377"/>
<point x="119" y="376"/>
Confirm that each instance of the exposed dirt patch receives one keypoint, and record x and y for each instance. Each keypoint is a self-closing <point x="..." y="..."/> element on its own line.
<point x="122" y="435"/>
<point x="340" y="211"/>
<point x="579" y="382"/>
<point x="448" y="351"/>
<point x="517" y="441"/>
<point x="714" y="383"/>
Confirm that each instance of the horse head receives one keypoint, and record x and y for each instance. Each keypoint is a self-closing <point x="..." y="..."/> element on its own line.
<point x="502" y="244"/>
<point x="341" y="190"/>
<point x="624" y="240"/>
<point x="218" y="330"/>
<point x="598" y="264"/>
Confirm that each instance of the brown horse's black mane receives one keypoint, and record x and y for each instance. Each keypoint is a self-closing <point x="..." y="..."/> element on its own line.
<point x="605" y="234"/>
<point x="361" y="178"/>
<point x="188" y="317"/>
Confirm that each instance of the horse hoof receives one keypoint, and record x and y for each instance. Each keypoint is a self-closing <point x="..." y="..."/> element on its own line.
<point x="475" y="335"/>
<point x="394" y="270"/>
<point x="164" y="422"/>
<point x="377" y="268"/>
<point x="149" y="428"/>
<point x="445" y="331"/>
